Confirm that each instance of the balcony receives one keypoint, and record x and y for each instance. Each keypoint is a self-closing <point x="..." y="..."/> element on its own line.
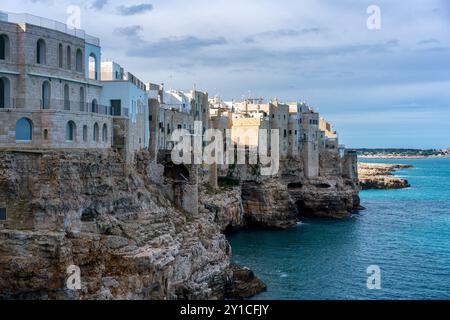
<point x="54" y="104"/>
<point x="49" y="24"/>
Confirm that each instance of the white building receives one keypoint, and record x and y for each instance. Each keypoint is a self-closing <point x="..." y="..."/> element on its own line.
<point x="128" y="98"/>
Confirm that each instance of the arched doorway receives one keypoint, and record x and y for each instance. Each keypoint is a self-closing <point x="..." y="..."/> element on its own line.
<point x="46" y="94"/>
<point x="4" y="47"/>
<point x="24" y="130"/>
<point x="66" y="97"/>
<point x="70" y="131"/>
<point x="96" y="132"/>
<point x="94" y="106"/>
<point x="5" y="98"/>
<point x="85" y="133"/>
<point x="79" y="61"/>
<point x="93" y="67"/>
<point x="69" y="57"/>
<point x="81" y="99"/>
<point x="41" y="52"/>
<point x="60" y="55"/>
<point x="105" y="133"/>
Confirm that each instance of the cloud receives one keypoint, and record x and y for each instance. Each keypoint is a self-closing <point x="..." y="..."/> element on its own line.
<point x="280" y="33"/>
<point x="99" y="4"/>
<point x="135" y="9"/>
<point x="130" y="32"/>
<point x="428" y="41"/>
<point x="172" y="46"/>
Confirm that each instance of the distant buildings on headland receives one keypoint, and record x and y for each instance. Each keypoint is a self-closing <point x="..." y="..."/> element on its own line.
<point x="57" y="93"/>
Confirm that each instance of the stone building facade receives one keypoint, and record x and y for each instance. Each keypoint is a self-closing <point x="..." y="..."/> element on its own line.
<point x="46" y="100"/>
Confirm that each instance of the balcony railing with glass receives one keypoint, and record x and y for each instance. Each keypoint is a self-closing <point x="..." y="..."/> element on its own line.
<point x="49" y="24"/>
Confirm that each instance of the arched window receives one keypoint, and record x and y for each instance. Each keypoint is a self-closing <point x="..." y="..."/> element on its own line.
<point x="93" y="67"/>
<point x="66" y="97"/>
<point x="41" y="52"/>
<point x="24" y="130"/>
<point x="4" y="47"/>
<point x="70" y="131"/>
<point x="79" y="61"/>
<point x="96" y="133"/>
<point x="105" y="133"/>
<point x="46" y="95"/>
<point x="85" y="133"/>
<point x="60" y="55"/>
<point x="45" y="134"/>
<point x="69" y="57"/>
<point x="94" y="106"/>
<point x="5" y="98"/>
<point x="82" y="99"/>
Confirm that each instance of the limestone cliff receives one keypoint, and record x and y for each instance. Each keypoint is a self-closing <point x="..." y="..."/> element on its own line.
<point x="92" y="210"/>
<point x="381" y="176"/>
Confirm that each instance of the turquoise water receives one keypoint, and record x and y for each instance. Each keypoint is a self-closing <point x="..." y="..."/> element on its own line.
<point x="405" y="232"/>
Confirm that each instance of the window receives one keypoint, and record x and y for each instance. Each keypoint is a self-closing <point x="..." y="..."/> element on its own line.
<point x="290" y="132"/>
<point x="69" y="57"/>
<point x="94" y="106"/>
<point x="24" y="130"/>
<point x="2" y="214"/>
<point x="85" y="133"/>
<point x="46" y="92"/>
<point x="5" y="100"/>
<point x="79" y="61"/>
<point x="41" y="52"/>
<point x="66" y="97"/>
<point x="60" y="55"/>
<point x="96" y="133"/>
<point x="70" y="131"/>
<point x="105" y="133"/>
<point x="285" y="133"/>
<point x="4" y="47"/>
<point x="93" y="67"/>
<point x="116" y="107"/>
<point x="82" y="99"/>
<point x="45" y="134"/>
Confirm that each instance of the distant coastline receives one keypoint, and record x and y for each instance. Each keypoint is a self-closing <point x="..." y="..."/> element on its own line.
<point x="384" y="156"/>
<point x="389" y="153"/>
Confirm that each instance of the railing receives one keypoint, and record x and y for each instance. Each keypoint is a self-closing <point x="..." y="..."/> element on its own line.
<point x="8" y="103"/>
<point x="59" y="104"/>
<point x="47" y="23"/>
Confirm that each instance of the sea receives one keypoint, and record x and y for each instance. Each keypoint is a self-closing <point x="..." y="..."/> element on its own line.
<point x="398" y="248"/>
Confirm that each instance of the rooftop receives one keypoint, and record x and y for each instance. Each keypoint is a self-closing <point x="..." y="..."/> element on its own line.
<point x="49" y="24"/>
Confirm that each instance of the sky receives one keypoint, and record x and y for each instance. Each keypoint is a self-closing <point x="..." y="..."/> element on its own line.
<point x="384" y="87"/>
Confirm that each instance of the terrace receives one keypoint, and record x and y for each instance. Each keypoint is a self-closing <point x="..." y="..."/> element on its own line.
<point x="49" y="24"/>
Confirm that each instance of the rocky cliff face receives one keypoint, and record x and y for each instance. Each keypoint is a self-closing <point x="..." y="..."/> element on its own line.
<point x="381" y="176"/>
<point x="325" y="197"/>
<point x="94" y="211"/>
<point x="224" y="206"/>
<point x="267" y="204"/>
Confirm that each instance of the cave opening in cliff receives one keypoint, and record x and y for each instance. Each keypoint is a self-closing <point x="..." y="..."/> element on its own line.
<point x="303" y="210"/>
<point x="176" y="172"/>
<point x="295" y="185"/>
